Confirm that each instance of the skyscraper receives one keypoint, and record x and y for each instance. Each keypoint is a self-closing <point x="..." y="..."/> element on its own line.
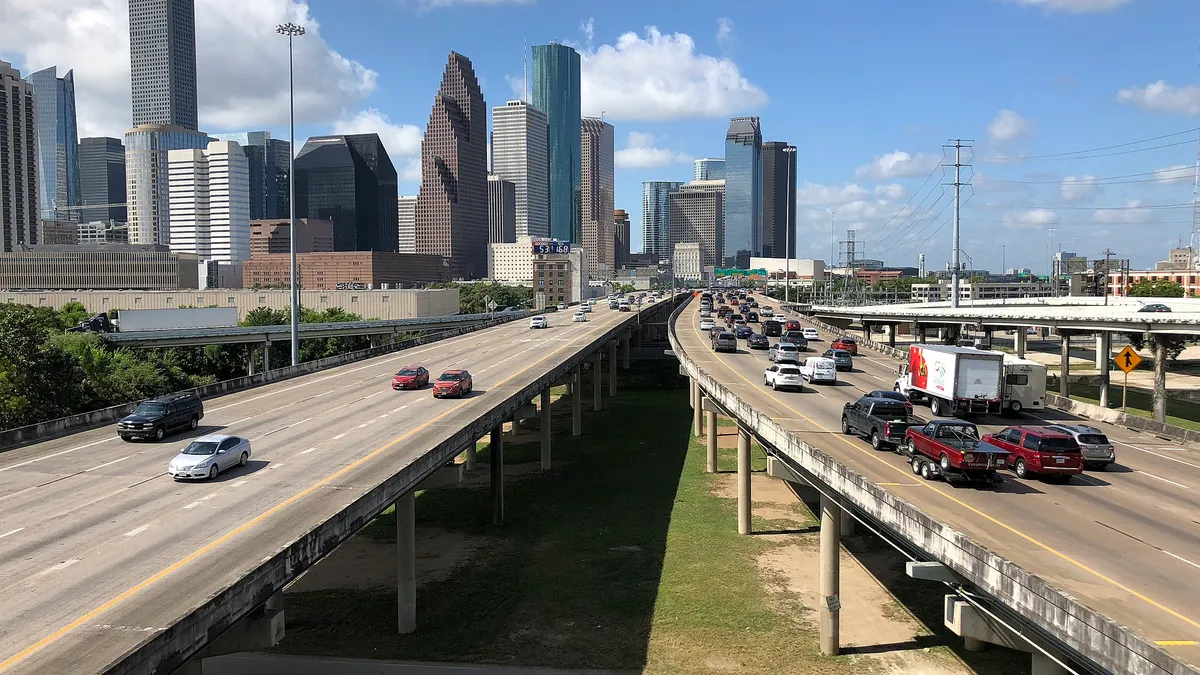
<point x="708" y="168"/>
<point x="102" y="179"/>
<point x="779" y="191"/>
<point x="407" y="223"/>
<point x="146" y="149"/>
<point x="697" y="215"/>
<point x="58" y="143"/>
<point x="210" y="202"/>
<point x="596" y="195"/>
<point x="743" y="191"/>
<point x="162" y="55"/>
<point x="351" y="181"/>
<point x="268" y="161"/>
<point x="556" y="91"/>
<point x="18" y="162"/>
<point x="502" y="210"/>
<point x="656" y="223"/>
<point x="520" y="153"/>
<point x="452" y="203"/>
<point x="621" y="221"/>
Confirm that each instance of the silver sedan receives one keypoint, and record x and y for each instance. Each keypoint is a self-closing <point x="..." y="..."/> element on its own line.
<point x="207" y="456"/>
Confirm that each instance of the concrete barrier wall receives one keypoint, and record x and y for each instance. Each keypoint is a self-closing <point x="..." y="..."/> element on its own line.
<point x="43" y="431"/>
<point x="1054" y="613"/>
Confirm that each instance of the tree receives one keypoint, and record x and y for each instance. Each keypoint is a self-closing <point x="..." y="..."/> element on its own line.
<point x="623" y="289"/>
<point x="71" y="314"/>
<point x="1155" y="288"/>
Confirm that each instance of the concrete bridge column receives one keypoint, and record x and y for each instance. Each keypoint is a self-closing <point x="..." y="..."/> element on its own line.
<point x="577" y="402"/>
<point x="1064" y="387"/>
<point x="1020" y="340"/>
<point x="625" y="352"/>
<point x="697" y="409"/>
<point x="546" y="424"/>
<point x="472" y="458"/>
<point x="496" y="457"/>
<point x="1160" y="381"/>
<point x="920" y="332"/>
<point x="406" y="563"/>
<point x="612" y="368"/>
<point x="1103" y="357"/>
<point x="743" y="480"/>
<point x="596" y="384"/>
<point x="266" y="356"/>
<point x="847" y="527"/>
<point x="711" y="463"/>
<point x="249" y="359"/>
<point x="830" y="605"/>
<point x="892" y="335"/>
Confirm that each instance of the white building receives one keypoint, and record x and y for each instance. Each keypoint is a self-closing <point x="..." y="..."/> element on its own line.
<point x="804" y="269"/>
<point x="407" y="219"/>
<point x="511" y="263"/>
<point x="521" y="155"/>
<point x="147" y="181"/>
<point x="980" y="291"/>
<point x="687" y="262"/>
<point x="209" y="197"/>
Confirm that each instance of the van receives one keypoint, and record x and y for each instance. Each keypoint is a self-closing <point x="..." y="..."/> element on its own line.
<point x="819" y="369"/>
<point x="157" y="417"/>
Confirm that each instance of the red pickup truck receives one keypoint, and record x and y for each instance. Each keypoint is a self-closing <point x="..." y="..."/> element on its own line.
<point x="1039" y="451"/>
<point x="952" y="449"/>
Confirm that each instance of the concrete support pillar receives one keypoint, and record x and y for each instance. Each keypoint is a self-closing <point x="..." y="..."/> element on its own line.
<point x="406" y="564"/>
<point x="743" y="480"/>
<point x="697" y="398"/>
<point x="1160" y="380"/>
<point x="1044" y="665"/>
<point x="1064" y="388"/>
<point x="596" y="383"/>
<point x="1103" y="357"/>
<point x="577" y="403"/>
<point x="1021" y="337"/>
<point x="625" y="352"/>
<point x="266" y="356"/>
<point x="711" y="464"/>
<point x="496" y="456"/>
<point x="921" y="333"/>
<point x="472" y="458"/>
<point x="830" y="605"/>
<point x="847" y="523"/>
<point x="612" y="368"/>
<point x="892" y="335"/>
<point x="250" y="359"/>
<point x="546" y="424"/>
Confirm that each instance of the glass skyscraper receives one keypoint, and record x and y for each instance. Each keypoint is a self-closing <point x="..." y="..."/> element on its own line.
<point x="656" y="223"/>
<point x="779" y="200"/>
<point x="351" y="181"/>
<point x="162" y="57"/>
<point x="268" y="160"/>
<point x="708" y="168"/>
<point x="743" y="192"/>
<point x="556" y="92"/>
<point x="102" y="178"/>
<point x="58" y="143"/>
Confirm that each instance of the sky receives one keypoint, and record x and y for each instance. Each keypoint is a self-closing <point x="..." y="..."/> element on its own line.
<point x="1082" y="115"/>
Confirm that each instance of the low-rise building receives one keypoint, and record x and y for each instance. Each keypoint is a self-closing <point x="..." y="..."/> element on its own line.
<point x="103" y="232"/>
<point x="561" y="277"/>
<point x="97" y="266"/>
<point x="511" y="262"/>
<point x="802" y="269"/>
<point x="688" y="263"/>
<point x="313" y="235"/>
<point x="350" y="270"/>
<point x="58" y="232"/>
<point x="1119" y="282"/>
<point x="967" y="291"/>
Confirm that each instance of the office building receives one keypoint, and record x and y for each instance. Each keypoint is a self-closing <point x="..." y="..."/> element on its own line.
<point x="452" y="203"/>
<point x="511" y="262"/>
<point x="743" y="191"/>
<point x="58" y="143"/>
<point x="708" y="168"/>
<point x="520" y="153"/>
<point x="313" y="235"/>
<point x="697" y="216"/>
<point x="349" y="270"/>
<point x="162" y="56"/>
<point x="18" y="161"/>
<point x="560" y="277"/>
<point x="779" y="200"/>
<point x="406" y="207"/>
<point x="103" y="232"/>
<point x="621" y="221"/>
<point x="146" y="149"/>
<point x="969" y="291"/>
<point x="656" y="212"/>
<point x="268" y="161"/>
<point x="102" y="179"/>
<point x="114" y="266"/>
<point x="350" y="181"/>
<point x="687" y="262"/>
<point x="597" y="186"/>
<point x="209" y="193"/>
<point x="502" y="210"/>
<point x="556" y="91"/>
<point x="57" y="232"/>
<point x="803" y="270"/>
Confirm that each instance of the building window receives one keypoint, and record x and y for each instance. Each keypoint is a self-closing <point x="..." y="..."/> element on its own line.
<point x="324" y="299"/>
<point x="354" y="299"/>
<point x="383" y="299"/>
<point x="137" y="300"/>
<point x="229" y="300"/>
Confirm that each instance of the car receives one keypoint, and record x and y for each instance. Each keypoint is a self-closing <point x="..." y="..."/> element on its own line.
<point x="893" y="395"/>
<point x="206" y="456"/>
<point x="539" y="322"/>
<point x="784" y="352"/>
<point x="724" y="311"/>
<point x="562" y="306"/>
<point x="795" y="337"/>
<point x="410" y="377"/>
<point x="752" y="317"/>
<point x="623" y="307"/>
<point x="743" y="332"/>
<point x="738" y="320"/>
<point x="714" y="332"/>
<point x="772" y="328"/>
<point x="1098" y="451"/>
<point x="1154" y="307"/>
<point x="157" y="417"/>
<point x="791" y="324"/>
<point x="707" y="324"/>
<point x="578" y="317"/>
<point x="841" y="358"/>
<point x="758" y="341"/>
<point x="847" y="343"/>
<point x="952" y="449"/>
<point x="614" y="304"/>
<point x="705" y="313"/>
<point x="585" y="307"/>
<point x="881" y="420"/>
<point x="724" y="342"/>
<point x="456" y="383"/>
<point x="1039" y="451"/>
<point x="810" y="333"/>
<point x="783" y="375"/>
<point x="819" y="369"/>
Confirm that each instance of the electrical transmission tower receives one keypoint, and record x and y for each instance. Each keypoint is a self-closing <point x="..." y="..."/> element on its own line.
<point x="1195" y="242"/>
<point x="849" y="255"/>
<point x="956" y="264"/>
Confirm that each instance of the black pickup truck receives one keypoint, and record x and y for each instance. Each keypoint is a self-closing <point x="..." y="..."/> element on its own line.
<point x="884" y="421"/>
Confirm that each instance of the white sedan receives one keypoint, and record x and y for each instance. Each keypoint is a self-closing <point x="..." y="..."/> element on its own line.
<point x="810" y="333"/>
<point x="578" y="317"/>
<point x="783" y="375"/>
<point x="207" y="456"/>
<point x="707" y="324"/>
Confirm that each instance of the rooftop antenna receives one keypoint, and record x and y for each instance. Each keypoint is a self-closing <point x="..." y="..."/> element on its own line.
<point x="525" y="64"/>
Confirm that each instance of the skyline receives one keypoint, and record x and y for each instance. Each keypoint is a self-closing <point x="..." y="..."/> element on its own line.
<point x="1091" y="74"/>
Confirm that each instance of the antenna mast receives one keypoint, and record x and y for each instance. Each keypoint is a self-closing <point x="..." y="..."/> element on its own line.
<point x="525" y="64"/>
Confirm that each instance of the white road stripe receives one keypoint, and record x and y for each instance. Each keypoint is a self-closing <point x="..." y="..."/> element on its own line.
<point x="1144" y="473"/>
<point x="305" y="452"/>
<point x="137" y="530"/>
<point x="276" y="465"/>
<point x="339" y="437"/>
<point x="247" y="419"/>
<point x="56" y="454"/>
<point x="192" y="505"/>
<point x="239" y="483"/>
<point x="208" y="496"/>
<point x="1179" y="557"/>
<point x="101" y="466"/>
<point x="1149" y="452"/>
<point x="59" y="567"/>
<point x="11" y="532"/>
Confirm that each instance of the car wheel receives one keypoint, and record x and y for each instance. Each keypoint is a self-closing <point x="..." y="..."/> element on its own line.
<point x="926" y="471"/>
<point x="916" y="465"/>
<point x="935" y="406"/>
<point x="243" y="459"/>
<point x="845" y="426"/>
<point x="1021" y="470"/>
<point x="213" y="471"/>
<point x="160" y="433"/>
<point x="944" y="462"/>
<point x="775" y="386"/>
<point x="194" y="422"/>
<point x="876" y="443"/>
<point x="1015" y="407"/>
<point x="910" y="448"/>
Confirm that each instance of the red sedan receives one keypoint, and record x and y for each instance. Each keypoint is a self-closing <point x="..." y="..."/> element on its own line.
<point x="847" y="343"/>
<point x="792" y="325"/>
<point x="456" y="383"/>
<point x="411" y="377"/>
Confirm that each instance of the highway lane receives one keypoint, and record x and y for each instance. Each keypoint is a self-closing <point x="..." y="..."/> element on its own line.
<point x="1126" y="542"/>
<point x="100" y="547"/>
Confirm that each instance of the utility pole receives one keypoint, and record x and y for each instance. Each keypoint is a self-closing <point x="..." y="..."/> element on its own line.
<point x="1053" y="266"/>
<point x="1107" y="254"/>
<point x="958" y="184"/>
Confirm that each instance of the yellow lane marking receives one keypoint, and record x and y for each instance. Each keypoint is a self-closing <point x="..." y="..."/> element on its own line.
<point x="1176" y="643"/>
<point x="898" y="484"/>
<point x="963" y="504"/>
<point x="160" y="575"/>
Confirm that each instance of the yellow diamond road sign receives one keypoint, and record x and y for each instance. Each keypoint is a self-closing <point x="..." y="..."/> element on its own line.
<point x="1128" y="359"/>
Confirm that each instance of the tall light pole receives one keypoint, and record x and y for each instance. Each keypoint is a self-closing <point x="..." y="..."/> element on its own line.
<point x="787" y="224"/>
<point x="291" y="30"/>
<point x="832" y="263"/>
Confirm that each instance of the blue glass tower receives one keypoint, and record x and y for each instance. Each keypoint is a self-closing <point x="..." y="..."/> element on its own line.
<point x="556" y="92"/>
<point x="656" y="221"/>
<point x="743" y="192"/>
<point x="58" y="142"/>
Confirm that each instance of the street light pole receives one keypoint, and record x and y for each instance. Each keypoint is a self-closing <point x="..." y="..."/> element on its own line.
<point x="787" y="224"/>
<point x="291" y="30"/>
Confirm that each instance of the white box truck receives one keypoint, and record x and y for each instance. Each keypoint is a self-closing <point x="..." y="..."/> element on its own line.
<point x="129" y="320"/>
<point x="956" y="380"/>
<point x="1024" y="384"/>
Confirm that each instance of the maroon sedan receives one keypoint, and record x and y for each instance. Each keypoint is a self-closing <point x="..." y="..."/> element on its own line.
<point x="411" y="377"/>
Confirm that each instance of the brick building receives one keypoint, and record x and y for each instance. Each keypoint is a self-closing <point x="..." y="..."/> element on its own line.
<point x="313" y="235"/>
<point x="351" y="269"/>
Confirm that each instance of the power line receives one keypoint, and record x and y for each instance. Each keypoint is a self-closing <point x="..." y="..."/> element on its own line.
<point x="1084" y="222"/>
<point x="1147" y="207"/>
<point x="1073" y="154"/>
<point x="1086" y="182"/>
<point x="900" y="229"/>
<point x="913" y="196"/>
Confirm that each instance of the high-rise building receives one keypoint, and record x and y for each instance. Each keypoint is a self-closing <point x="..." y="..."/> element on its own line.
<point x="351" y="181"/>
<point x="708" y="168"/>
<point x="520" y="153"/>
<point x="268" y="161"/>
<point x="162" y="55"/>
<point x="18" y="162"/>
<point x="779" y="200"/>
<point x="656" y="224"/>
<point x="697" y="216"/>
<point x="58" y="143"/>
<point x="406" y="207"/>
<point x="743" y="191"/>
<point x="102" y="179"/>
<point x="146" y="149"/>
<point x="452" y="203"/>
<point x="621" y="221"/>
<point x="596" y="196"/>
<point x="502" y="210"/>
<point x="209" y="194"/>
<point x="557" y="92"/>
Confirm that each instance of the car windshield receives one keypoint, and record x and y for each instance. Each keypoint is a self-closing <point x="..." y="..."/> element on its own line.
<point x="149" y="409"/>
<point x="201" y="448"/>
<point x="1093" y="439"/>
<point x="789" y="371"/>
<point x="407" y="372"/>
<point x="450" y="377"/>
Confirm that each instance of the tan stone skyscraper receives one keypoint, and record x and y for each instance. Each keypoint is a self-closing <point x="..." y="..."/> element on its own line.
<point x="597" y="178"/>
<point x="452" y="216"/>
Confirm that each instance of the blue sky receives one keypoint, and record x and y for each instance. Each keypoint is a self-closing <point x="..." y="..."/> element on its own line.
<point x="868" y="90"/>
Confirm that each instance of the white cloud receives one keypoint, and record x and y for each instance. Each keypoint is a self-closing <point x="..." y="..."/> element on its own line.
<point x="1163" y="97"/>
<point x="589" y="30"/>
<point x="1172" y="175"/>
<point x="411" y="172"/>
<point x="815" y="194"/>
<point x="241" y="62"/>
<point x="1080" y="188"/>
<point x="400" y="140"/>
<point x="1007" y="126"/>
<point x="724" y="31"/>
<point x="890" y="191"/>
<point x="1074" y="6"/>
<point x="640" y="153"/>
<point x="1132" y="212"/>
<point x="661" y="77"/>
<point x="1030" y="219"/>
<point x="897" y="164"/>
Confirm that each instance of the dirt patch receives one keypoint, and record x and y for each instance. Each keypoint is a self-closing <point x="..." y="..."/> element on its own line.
<point x="763" y="489"/>
<point x="482" y="475"/>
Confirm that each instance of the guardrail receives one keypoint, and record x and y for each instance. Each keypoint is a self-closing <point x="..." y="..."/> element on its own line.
<point x="1049" y="610"/>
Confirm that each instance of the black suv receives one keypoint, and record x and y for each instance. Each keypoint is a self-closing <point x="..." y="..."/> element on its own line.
<point x="155" y="418"/>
